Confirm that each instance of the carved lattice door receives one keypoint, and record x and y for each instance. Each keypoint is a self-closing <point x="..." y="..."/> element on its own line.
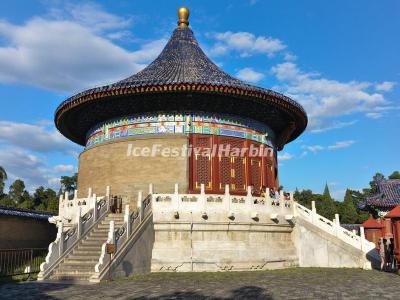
<point x="202" y="167"/>
<point x="255" y="174"/>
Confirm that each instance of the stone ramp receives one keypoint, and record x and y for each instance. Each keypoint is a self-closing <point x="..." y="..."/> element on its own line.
<point x="324" y="243"/>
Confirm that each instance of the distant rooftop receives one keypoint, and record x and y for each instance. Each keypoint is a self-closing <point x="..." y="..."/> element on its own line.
<point x="25" y="213"/>
<point x="387" y="197"/>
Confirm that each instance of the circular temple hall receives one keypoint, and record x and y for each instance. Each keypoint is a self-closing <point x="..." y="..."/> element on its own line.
<point x="191" y="115"/>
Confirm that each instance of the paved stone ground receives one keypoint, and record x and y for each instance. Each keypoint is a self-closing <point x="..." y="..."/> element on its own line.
<point x="299" y="283"/>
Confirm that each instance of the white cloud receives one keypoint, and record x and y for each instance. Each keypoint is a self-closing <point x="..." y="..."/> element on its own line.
<point x="285" y="156"/>
<point x="21" y="164"/>
<point x="374" y="115"/>
<point x="341" y="144"/>
<point x="246" y="44"/>
<point x="248" y="74"/>
<point x="324" y="98"/>
<point x="289" y="56"/>
<point x="64" y="168"/>
<point x="69" y="53"/>
<point x="318" y="148"/>
<point x="385" y="86"/>
<point x="334" y="125"/>
<point x="313" y="148"/>
<point x="24" y="149"/>
<point x="34" y="137"/>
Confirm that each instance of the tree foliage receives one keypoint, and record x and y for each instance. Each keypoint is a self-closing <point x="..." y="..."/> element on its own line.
<point x="395" y="175"/>
<point x="3" y="178"/>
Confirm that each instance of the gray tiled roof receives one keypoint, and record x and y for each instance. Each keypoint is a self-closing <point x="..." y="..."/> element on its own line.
<point x="388" y="195"/>
<point x="181" y="78"/>
<point x="182" y="61"/>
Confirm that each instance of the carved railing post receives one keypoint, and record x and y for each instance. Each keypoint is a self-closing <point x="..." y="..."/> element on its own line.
<point x="313" y="212"/>
<point x="111" y="233"/>
<point x="61" y="206"/>
<point x="127" y="221"/>
<point x="202" y="198"/>
<point x="89" y="192"/>
<point x="95" y="209"/>
<point x="362" y="238"/>
<point x="140" y="206"/>
<point x="249" y="199"/>
<point x="337" y="225"/>
<point x="79" y="225"/>
<point x="108" y="191"/>
<point x="227" y="198"/>
<point x="60" y="235"/>
<point x="176" y="199"/>
<point x="281" y="197"/>
<point x="150" y="189"/>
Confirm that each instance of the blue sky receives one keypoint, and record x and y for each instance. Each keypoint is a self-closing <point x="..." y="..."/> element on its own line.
<point x="340" y="59"/>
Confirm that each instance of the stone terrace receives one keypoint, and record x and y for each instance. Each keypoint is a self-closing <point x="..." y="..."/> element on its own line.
<point x="299" y="283"/>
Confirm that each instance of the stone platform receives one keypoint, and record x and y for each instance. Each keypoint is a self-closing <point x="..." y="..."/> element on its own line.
<point x="299" y="283"/>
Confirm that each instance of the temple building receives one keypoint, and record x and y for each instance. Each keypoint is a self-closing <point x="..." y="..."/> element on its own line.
<point x="180" y="174"/>
<point x="182" y="99"/>
<point x="385" y="199"/>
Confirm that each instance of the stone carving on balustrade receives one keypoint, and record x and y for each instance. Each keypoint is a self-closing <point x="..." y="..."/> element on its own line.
<point x="278" y="208"/>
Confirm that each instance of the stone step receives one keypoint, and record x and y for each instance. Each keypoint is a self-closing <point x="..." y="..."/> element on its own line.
<point x="81" y="257"/>
<point x="75" y="268"/>
<point x="97" y="237"/>
<point x="74" y="275"/>
<point x="83" y="252"/>
<point x="80" y="263"/>
<point x="71" y="278"/>
<point x="107" y="225"/>
<point x="92" y="243"/>
<point x="89" y="248"/>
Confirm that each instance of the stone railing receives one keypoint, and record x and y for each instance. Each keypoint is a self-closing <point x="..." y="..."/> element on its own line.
<point x="120" y="236"/>
<point x="66" y="240"/>
<point x="70" y="209"/>
<point x="274" y="205"/>
<point x="333" y="227"/>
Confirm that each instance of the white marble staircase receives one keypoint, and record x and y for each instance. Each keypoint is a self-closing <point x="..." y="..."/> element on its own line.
<point x="80" y="263"/>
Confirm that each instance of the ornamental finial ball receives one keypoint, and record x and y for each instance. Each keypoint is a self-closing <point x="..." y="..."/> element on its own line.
<point x="183" y="14"/>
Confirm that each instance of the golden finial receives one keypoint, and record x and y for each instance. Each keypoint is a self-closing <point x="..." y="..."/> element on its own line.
<point x="183" y="14"/>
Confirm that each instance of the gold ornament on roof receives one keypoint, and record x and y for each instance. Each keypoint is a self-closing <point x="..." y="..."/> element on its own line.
<point x="183" y="14"/>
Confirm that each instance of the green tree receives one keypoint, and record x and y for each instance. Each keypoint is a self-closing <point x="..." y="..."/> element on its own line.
<point x="395" y="175"/>
<point x="45" y="199"/>
<point x="27" y="202"/>
<point x="304" y="197"/>
<point x="69" y="183"/>
<point x="326" y="193"/>
<point x="6" y="201"/>
<point x="17" y="192"/>
<point x="39" y="197"/>
<point x="52" y="200"/>
<point x="3" y="178"/>
<point x="347" y="210"/>
<point x="374" y="183"/>
<point x="325" y="206"/>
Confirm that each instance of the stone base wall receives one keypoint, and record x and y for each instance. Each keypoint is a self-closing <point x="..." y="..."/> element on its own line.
<point x="108" y="164"/>
<point x="193" y="243"/>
